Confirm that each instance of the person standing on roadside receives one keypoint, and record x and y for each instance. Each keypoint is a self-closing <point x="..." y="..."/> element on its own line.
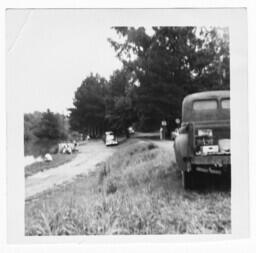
<point x="161" y="133"/>
<point x="164" y="127"/>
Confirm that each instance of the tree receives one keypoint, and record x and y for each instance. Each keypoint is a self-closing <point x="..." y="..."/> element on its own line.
<point x="216" y="74"/>
<point x="31" y="123"/>
<point x="88" y="114"/>
<point x="170" y="64"/>
<point x="159" y="70"/>
<point x="45" y="125"/>
<point x="120" y="110"/>
<point x="52" y="126"/>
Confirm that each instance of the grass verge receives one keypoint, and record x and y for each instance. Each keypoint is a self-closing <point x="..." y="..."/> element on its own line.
<point x="58" y="159"/>
<point x="136" y="191"/>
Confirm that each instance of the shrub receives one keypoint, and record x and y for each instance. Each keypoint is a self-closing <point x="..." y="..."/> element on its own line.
<point x="111" y="186"/>
<point x="151" y="146"/>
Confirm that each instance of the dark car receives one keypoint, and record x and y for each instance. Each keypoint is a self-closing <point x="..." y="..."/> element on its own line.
<point x="203" y="143"/>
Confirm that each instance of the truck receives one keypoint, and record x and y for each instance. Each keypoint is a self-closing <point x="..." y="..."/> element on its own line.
<point x="203" y="141"/>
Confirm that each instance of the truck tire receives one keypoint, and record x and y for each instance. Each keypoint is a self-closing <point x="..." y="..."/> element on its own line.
<point x="187" y="180"/>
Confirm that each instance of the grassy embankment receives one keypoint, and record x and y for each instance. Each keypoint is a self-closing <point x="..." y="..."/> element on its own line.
<point x="58" y="159"/>
<point x="137" y="191"/>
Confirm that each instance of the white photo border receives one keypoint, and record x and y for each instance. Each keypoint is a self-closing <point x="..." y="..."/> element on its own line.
<point x="235" y="19"/>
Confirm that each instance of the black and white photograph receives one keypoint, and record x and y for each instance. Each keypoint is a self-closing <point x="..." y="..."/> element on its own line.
<point x="125" y="126"/>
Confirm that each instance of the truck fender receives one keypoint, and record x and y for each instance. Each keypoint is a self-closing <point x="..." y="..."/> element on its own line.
<point x="181" y="150"/>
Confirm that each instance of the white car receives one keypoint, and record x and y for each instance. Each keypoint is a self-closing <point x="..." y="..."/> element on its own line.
<point x="110" y="139"/>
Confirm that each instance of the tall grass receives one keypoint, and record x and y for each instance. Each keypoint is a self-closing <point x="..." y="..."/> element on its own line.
<point x="136" y="191"/>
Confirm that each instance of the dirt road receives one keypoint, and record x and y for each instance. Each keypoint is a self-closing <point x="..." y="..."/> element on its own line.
<point x="89" y="155"/>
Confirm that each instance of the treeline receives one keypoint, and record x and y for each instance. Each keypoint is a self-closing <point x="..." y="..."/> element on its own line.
<point x="158" y="71"/>
<point x="46" y="125"/>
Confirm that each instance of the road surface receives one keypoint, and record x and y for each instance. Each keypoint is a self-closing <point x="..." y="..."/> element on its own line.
<point x="89" y="155"/>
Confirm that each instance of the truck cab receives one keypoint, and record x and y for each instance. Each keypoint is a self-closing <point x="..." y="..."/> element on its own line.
<point x="203" y="143"/>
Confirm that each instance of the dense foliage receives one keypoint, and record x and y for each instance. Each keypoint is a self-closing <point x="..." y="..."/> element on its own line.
<point x="31" y="123"/>
<point x="45" y="125"/>
<point x="89" y="102"/>
<point x="158" y="71"/>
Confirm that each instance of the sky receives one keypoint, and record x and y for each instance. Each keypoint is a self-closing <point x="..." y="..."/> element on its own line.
<point x="50" y="52"/>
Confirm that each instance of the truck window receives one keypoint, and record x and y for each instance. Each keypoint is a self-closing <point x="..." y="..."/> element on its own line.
<point x="225" y="103"/>
<point x="205" y="105"/>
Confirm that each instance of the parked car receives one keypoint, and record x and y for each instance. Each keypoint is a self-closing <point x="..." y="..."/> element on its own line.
<point x="110" y="138"/>
<point x="203" y="143"/>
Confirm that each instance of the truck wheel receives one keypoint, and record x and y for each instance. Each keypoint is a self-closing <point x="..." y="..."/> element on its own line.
<point x="187" y="180"/>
